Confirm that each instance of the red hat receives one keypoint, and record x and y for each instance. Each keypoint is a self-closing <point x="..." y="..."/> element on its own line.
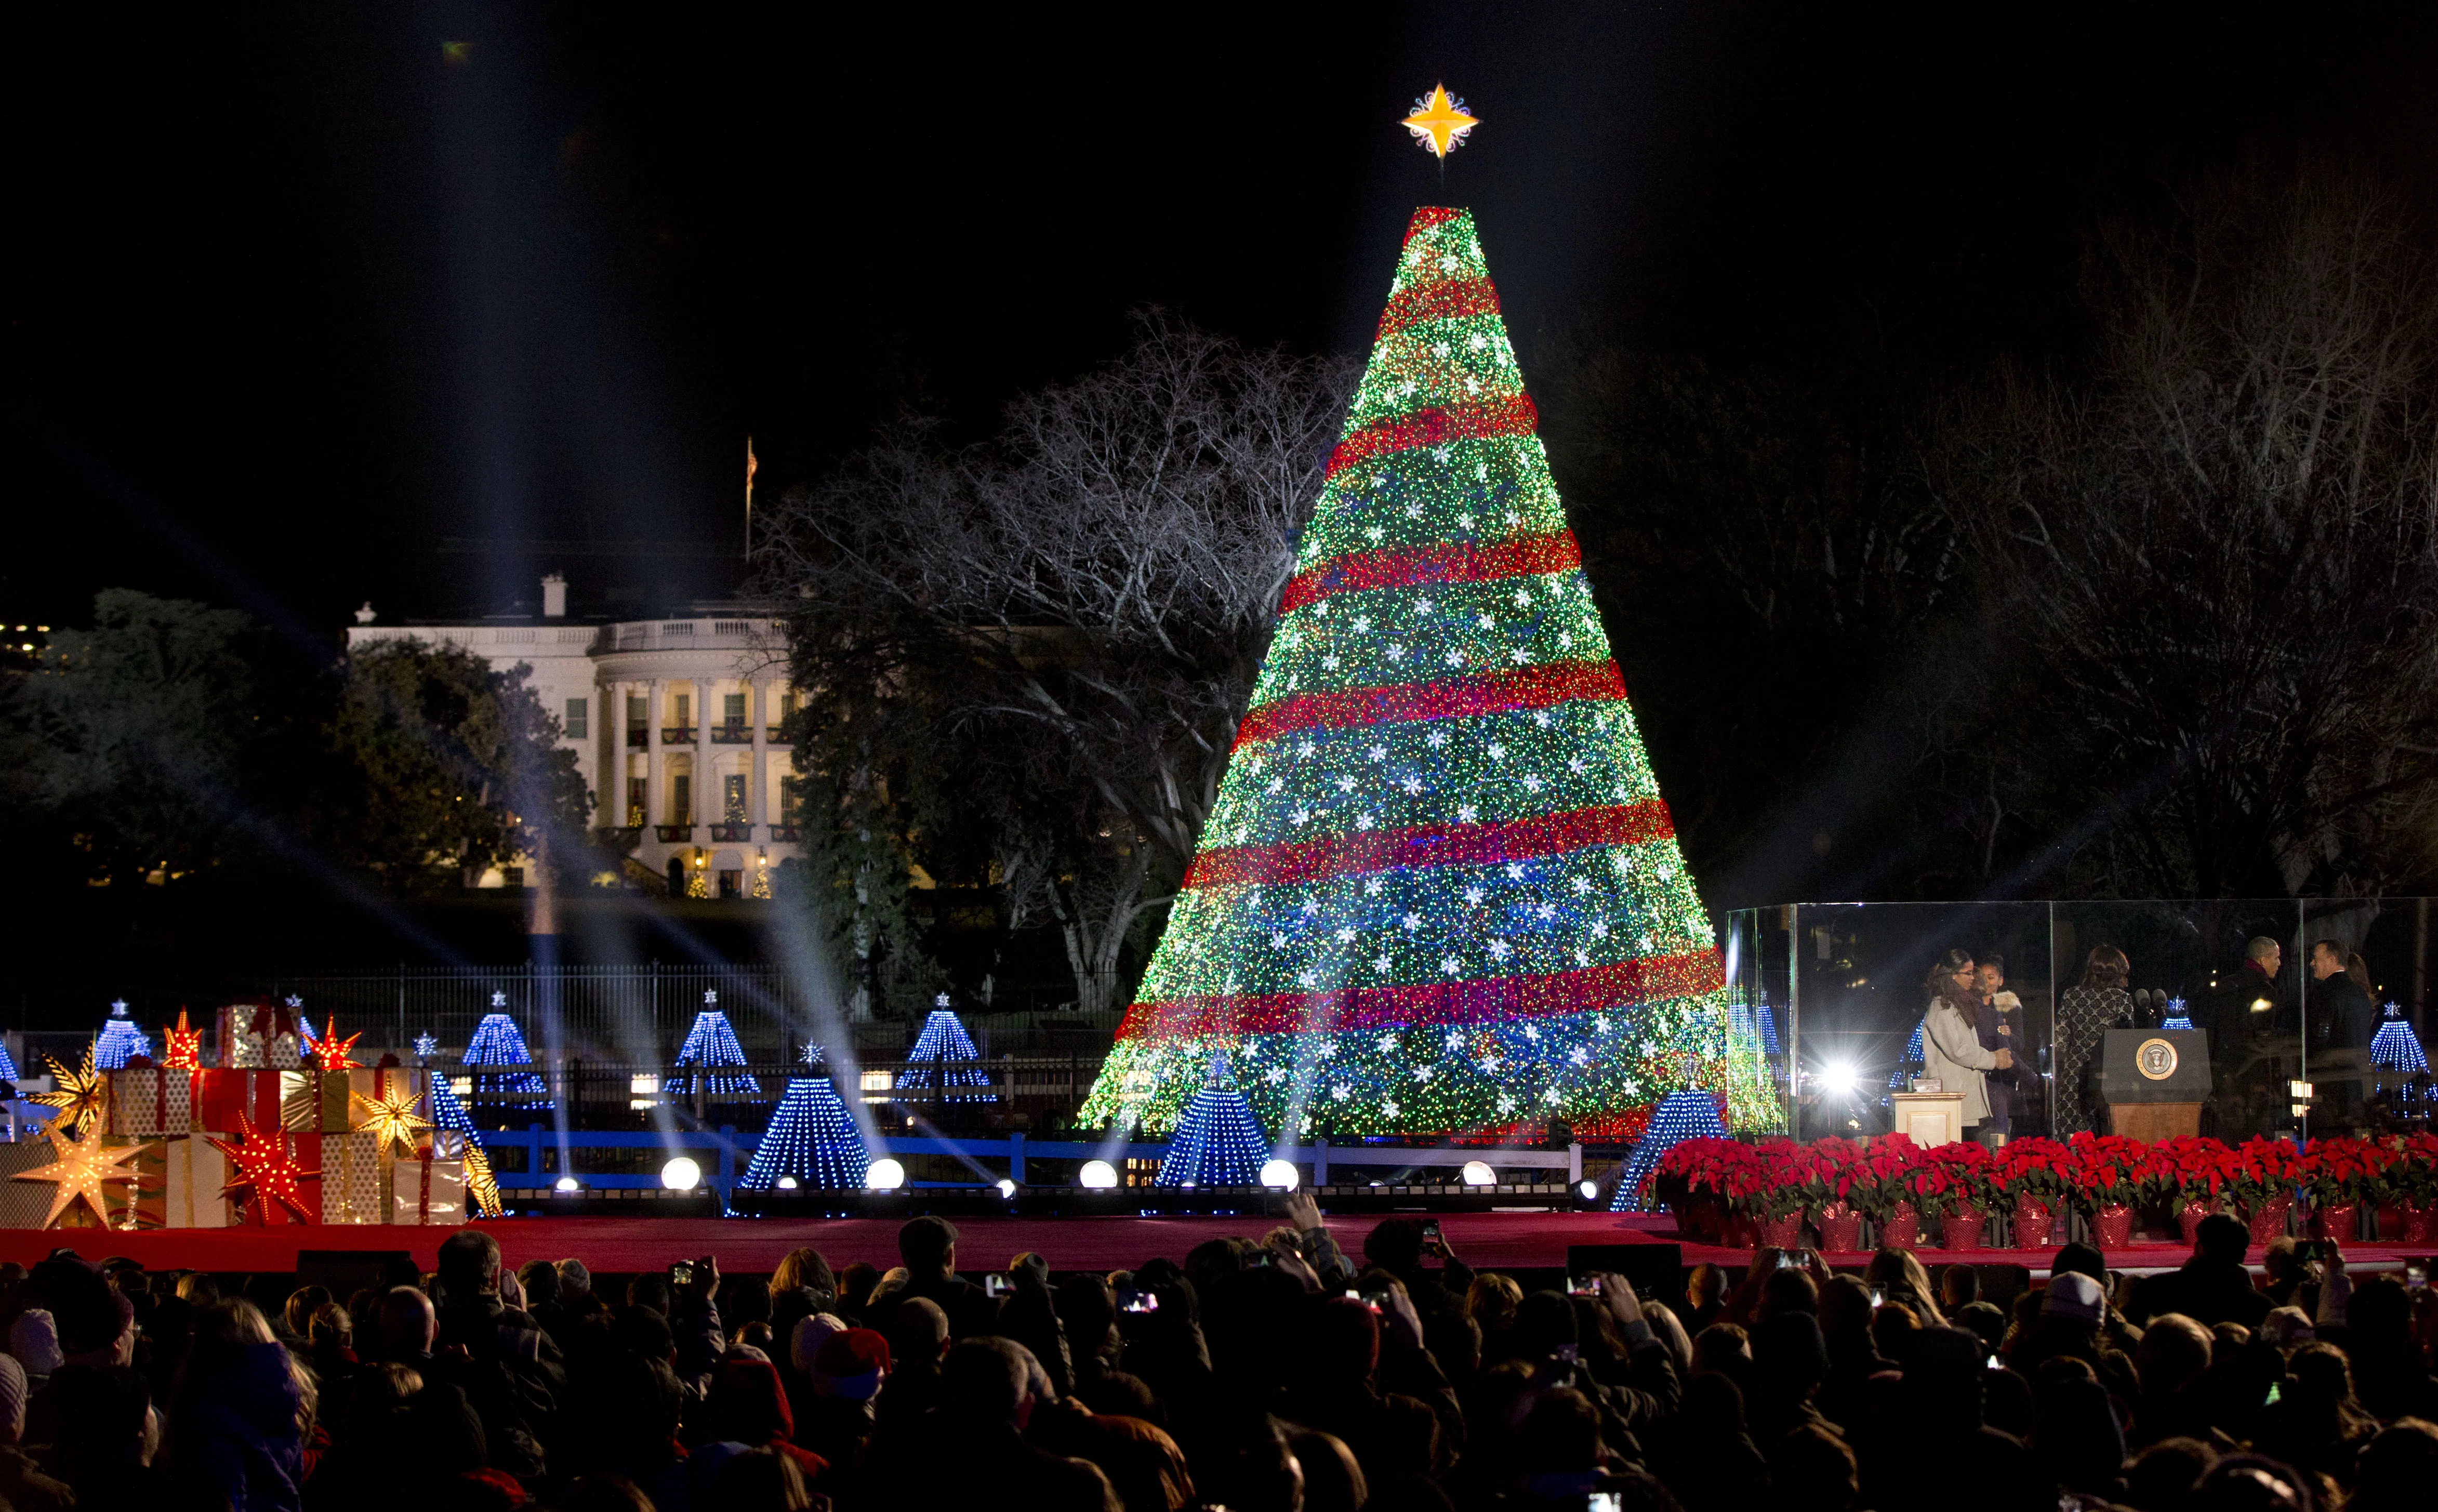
<point x="851" y="1365"/>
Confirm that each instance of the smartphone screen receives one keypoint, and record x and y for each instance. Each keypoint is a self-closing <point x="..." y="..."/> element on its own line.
<point x="1604" y="1501"/>
<point x="1879" y="1298"/>
<point x="1131" y="1300"/>
<point x="994" y="1285"/>
<point x="1582" y="1286"/>
<point x="1431" y="1231"/>
<point x="2416" y="1275"/>
<point x="681" y="1273"/>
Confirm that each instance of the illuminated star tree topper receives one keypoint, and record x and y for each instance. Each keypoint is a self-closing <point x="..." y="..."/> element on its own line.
<point x="82" y="1167"/>
<point x="266" y="1173"/>
<point x="1439" y="122"/>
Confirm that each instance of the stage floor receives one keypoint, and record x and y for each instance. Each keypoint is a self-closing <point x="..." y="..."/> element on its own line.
<point x="1523" y="1241"/>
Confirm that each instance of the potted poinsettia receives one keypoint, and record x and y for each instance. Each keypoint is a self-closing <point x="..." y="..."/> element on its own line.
<point x="2262" y="1174"/>
<point x="1776" y="1191"/>
<point x="2109" y="1171"/>
<point x="2342" y="1173"/>
<point x="1879" y="1188"/>
<point x="1965" y="1193"/>
<point x="2412" y="1183"/>
<point x="2034" y="1177"/>
<point x="1837" y="1164"/>
<point x="2189" y="1177"/>
<point x="1686" y="1180"/>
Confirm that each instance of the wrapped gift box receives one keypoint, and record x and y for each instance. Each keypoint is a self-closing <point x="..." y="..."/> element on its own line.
<point x="427" y="1191"/>
<point x="196" y="1172"/>
<point x="148" y="1196"/>
<point x="259" y="1036"/>
<point x="313" y="1102"/>
<point x="351" y="1180"/>
<point x="149" y="1103"/>
<point x="222" y="1098"/>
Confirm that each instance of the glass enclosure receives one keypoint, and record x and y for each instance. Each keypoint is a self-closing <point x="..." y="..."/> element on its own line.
<point x="2312" y="1010"/>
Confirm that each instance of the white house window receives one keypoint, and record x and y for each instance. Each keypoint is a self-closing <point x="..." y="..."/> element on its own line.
<point x="576" y="724"/>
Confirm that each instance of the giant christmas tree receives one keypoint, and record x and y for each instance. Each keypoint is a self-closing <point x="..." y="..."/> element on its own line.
<point x="1438" y="892"/>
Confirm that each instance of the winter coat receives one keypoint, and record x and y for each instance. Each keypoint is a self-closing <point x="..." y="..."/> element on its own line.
<point x="1952" y="1056"/>
<point x="245" y="1440"/>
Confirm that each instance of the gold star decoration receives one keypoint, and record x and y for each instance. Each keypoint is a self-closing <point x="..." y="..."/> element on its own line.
<point x="330" y="1052"/>
<point x="80" y="1095"/>
<point x="83" y="1165"/>
<point x="1439" y="121"/>
<point x="389" y="1119"/>
<point x="266" y="1173"/>
<point x="482" y="1187"/>
<point x="181" y="1048"/>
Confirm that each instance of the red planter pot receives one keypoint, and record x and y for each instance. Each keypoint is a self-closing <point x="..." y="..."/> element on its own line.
<point x="1697" y="1220"/>
<point x="2188" y="1217"/>
<point x="2267" y="1220"/>
<point x="1961" y="1231"/>
<point x="1780" y="1233"/>
<point x="2113" y="1227"/>
<point x="1736" y="1232"/>
<point x="2034" y="1223"/>
<point x="2338" y="1221"/>
<point x="2391" y="1221"/>
<point x="1841" y="1229"/>
<point x="1902" y="1230"/>
<point x="2420" y="1224"/>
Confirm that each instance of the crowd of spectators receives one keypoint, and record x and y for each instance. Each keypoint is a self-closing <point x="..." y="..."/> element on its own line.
<point x="1270" y="1376"/>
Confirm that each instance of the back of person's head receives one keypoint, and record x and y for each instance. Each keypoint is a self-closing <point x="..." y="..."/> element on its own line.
<point x="1845" y="1306"/>
<point x="301" y="1306"/>
<point x="1562" y="1432"/>
<point x="1545" y="1324"/>
<point x="1790" y="1358"/>
<point x="1333" y="1481"/>
<point x="2281" y="1260"/>
<point x="407" y="1323"/>
<point x="917" y="1331"/>
<point x="541" y="1280"/>
<point x="2321" y="1374"/>
<point x="1344" y="1340"/>
<point x="2250" y="1482"/>
<point x="1491" y="1300"/>
<point x="599" y="1492"/>
<point x="469" y="1264"/>
<point x="2161" y="1478"/>
<point x="1086" y="1308"/>
<point x="2106" y="966"/>
<point x="1892" y="1327"/>
<point x="1248" y="1466"/>
<point x="986" y="1380"/>
<point x="2261" y="948"/>
<point x="1394" y="1245"/>
<point x="856" y="1281"/>
<point x="1957" y="1284"/>
<point x="2378" y="1314"/>
<point x="1985" y="1322"/>
<point x="649" y="1290"/>
<point x="1788" y="1292"/>
<point x="1209" y="1262"/>
<point x="644" y="1333"/>
<point x="2221" y="1237"/>
<point x="100" y="1420"/>
<point x="2076" y="1436"/>
<point x="926" y="1244"/>
<point x="330" y="1326"/>
<point x="1816" y="1459"/>
<point x="804" y="1267"/>
<point x="761" y="1479"/>
<point x="2396" y="1470"/>
<point x="91" y="1314"/>
<point x="197" y="1288"/>
<point x="574" y="1277"/>
<point x="745" y="1404"/>
<point x="34" y="1340"/>
<point x="1942" y="1379"/>
<point x="2081" y="1260"/>
<point x="2173" y="1350"/>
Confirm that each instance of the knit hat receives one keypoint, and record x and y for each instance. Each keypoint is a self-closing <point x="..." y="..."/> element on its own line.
<point x="805" y="1345"/>
<point x="2289" y="1328"/>
<point x="2073" y="1294"/>
<point x="35" y="1341"/>
<point x="574" y="1276"/>
<point x="851" y="1365"/>
<point x="12" y="1399"/>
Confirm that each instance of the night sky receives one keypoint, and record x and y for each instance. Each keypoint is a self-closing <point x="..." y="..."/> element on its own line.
<point x="298" y="294"/>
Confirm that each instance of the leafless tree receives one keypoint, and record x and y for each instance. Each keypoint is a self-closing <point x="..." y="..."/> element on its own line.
<point x="2218" y="547"/>
<point x="1049" y="639"/>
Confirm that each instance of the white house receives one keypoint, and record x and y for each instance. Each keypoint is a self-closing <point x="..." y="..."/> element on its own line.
<point x="675" y="724"/>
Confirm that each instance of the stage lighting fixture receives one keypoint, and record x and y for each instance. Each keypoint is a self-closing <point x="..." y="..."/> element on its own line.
<point x="883" y="1175"/>
<point x="1280" y="1174"/>
<point x="681" y="1175"/>
<point x="1590" y="1190"/>
<point x="1839" y="1079"/>
<point x="1477" y="1173"/>
<point x="1006" y="1189"/>
<point x="1097" y="1175"/>
<point x="785" y="1184"/>
<point x="568" y="1185"/>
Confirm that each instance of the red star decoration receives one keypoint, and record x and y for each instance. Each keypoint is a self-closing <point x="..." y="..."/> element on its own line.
<point x="266" y="1173"/>
<point x="330" y="1052"/>
<point x="181" y="1048"/>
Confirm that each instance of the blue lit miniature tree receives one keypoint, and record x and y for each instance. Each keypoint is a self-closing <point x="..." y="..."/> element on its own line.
<point x="1680" y="1115"/>
<point x="931" y="1068"/>
<point x="1217" y="1141"/>
<point x="2178" y="1017"/>
<point x="7" y="1066"/>
<point x="1910" y="1066"/>
<point x="711" y="1043"/>
<point x="812" y="1136"/>
<point x="120" y="1039"/>
<point x="498" y="1043"/>
<point x="2395" y="1047"/>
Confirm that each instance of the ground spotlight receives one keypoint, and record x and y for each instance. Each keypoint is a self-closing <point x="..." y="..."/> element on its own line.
<point x="568" y="1184"/>
<point x="1589" y="1189"/>
<point x="1839" y="1079"/>
<point x="1097" y="1175"/>
<point x="883" y="1175"/>
<point x="1007" y="1189"/>
<point x="1477" y="1173"/>
<point x="786" y="1184"/>
<point x="1280" y="1174"/>
<point x="681" y="1175"/>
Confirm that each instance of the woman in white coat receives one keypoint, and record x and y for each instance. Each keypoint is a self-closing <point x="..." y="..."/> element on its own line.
<point x="1950" y="1041"/>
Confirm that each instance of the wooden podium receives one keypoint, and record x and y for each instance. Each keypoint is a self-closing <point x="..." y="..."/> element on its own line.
<point x="1929" y="1118"/>
<point x="2154" y="1081"/>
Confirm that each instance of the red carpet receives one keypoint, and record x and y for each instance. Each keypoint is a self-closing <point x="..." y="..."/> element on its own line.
<point x="619" y="1245"/>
